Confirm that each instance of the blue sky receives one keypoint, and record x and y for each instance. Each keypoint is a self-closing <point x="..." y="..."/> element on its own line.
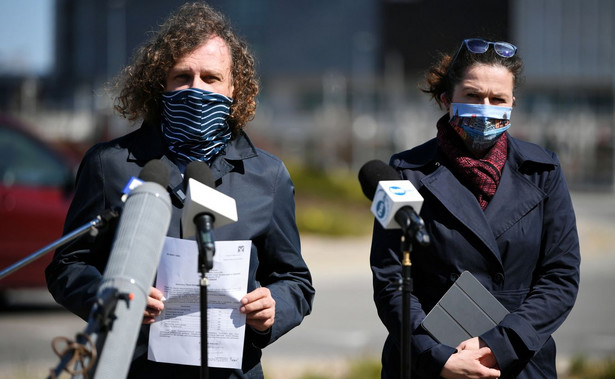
<point x="26" y="36"/>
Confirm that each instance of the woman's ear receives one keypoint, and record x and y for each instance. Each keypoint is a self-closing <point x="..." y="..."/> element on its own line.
<point x="445" y="100"/>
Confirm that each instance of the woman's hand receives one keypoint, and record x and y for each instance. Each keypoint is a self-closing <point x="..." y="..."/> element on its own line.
<point x="476" y="344"/>
<point x="474" y="359"/>
<point x="469" y="364"/>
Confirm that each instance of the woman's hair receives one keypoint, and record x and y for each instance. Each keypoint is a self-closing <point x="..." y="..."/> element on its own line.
<point x="143" y="81"/>
<point x="442" y="79"/>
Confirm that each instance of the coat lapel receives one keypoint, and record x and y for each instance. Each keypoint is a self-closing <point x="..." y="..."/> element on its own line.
<point x="462" y="204"/>
<point x="515" y="197"/>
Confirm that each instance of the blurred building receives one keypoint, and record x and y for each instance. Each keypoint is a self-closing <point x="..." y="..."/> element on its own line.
<point x="339" y="78"/>
<point x="569" y="93"/>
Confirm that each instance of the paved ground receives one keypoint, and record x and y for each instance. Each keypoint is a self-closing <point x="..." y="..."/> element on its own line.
<point x="344" y="326"/>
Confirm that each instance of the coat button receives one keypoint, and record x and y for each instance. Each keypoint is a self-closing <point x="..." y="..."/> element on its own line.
<point x="498" y="278"/>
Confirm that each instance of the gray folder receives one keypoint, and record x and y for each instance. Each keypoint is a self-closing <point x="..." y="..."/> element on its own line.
<point x="466" y="310"/>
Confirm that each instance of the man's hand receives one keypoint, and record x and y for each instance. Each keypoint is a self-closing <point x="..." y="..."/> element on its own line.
<point x="259" y="308"/>
<point x="154" y="305"/>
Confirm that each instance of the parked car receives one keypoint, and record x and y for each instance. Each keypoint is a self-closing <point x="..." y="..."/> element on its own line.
<point x="36" y="185"/>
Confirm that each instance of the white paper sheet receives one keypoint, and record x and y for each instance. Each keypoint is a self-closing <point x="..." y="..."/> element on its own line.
<point x="175" y="336"/>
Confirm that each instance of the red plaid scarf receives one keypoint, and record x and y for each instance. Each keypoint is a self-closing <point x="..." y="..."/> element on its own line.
<point x="480" y="176"/>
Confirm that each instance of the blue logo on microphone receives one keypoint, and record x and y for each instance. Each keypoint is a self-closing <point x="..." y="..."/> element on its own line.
<point x="381" y="209"/>
<point x="397" y="190"/>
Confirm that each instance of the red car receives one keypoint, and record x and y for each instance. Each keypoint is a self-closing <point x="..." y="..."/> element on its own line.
<point x="36" y="183"/>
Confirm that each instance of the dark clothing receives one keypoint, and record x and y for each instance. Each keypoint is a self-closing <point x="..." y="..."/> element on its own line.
<point x="264" y="193"/>
<point x="523" y="248"/>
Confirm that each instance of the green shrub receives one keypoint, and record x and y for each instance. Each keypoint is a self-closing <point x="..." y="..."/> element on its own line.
<point x="358" y="368"/>
<point x="314" y="376"/>
<point x="366" y="368"/>
<point x="330" y="203"/>
<point x="582" y="368"/>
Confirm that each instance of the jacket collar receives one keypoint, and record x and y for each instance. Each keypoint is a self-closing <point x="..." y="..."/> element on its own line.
<point x="524" y="154"/>
<point x="149" y="144"/>
<point x="231" y="159"/>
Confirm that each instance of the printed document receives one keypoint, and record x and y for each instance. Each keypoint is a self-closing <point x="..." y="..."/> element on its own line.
<point x="175" y="336"/>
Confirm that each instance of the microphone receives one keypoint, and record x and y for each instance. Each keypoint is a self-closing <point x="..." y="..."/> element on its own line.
<point x="202" y="198"/>
<point x="130" y="271"/>
<point x="393" y="199"/>
<point x="204" y="206"/>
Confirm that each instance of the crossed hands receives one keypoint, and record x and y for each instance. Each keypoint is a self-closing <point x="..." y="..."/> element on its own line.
<point x="473" y="359"/>
<point x="258" y="306"/>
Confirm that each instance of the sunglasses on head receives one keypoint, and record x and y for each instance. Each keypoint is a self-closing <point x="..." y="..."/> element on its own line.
<point x="480" y="46"/>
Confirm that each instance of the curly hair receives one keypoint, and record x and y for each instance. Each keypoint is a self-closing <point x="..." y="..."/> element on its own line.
<point x="143" y="81"/>
<point x="440" y="78"/>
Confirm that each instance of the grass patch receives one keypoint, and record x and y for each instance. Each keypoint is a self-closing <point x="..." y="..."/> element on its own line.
<point x="367" y="368"/>
<point x="582" y="368"/>
<point x="359" y="368"/>
<point x="330" y="203"/>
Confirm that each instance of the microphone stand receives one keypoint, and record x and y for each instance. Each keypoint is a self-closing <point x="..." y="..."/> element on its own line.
<point x="92" y="227"/>
<point x="75" y="353"/>
<point x="413" y="229"/>
<point x="84" y="352"/>
<point x="207" y="248"/>
<point x="406" y="290"/>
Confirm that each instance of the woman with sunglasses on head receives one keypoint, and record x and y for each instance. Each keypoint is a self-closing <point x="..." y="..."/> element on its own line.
<point x="495" y="206"/>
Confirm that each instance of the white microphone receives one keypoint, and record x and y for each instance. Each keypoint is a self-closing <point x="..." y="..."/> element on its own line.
<point x="204" y="207"/>
<point x="393" y="200"/>
<point x="202" y="198"/>
<point x="130" y="271"/>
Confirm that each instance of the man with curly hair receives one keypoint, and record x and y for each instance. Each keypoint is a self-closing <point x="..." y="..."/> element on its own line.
<point x="195" y="62"/>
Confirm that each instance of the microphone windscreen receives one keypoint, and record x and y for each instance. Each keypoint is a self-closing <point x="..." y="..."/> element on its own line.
<point x="373" y="172"/>
<point x="200" y="172"/>
<point x="155" y="171"/>
<point x="131" y="269"/>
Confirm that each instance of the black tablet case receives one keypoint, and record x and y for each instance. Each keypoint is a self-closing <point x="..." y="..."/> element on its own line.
<point x="466" y="310"/>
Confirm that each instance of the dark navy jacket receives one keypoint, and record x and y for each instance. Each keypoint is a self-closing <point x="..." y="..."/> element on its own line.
<point x="264" y="193"/>
<point x="523" y="248"/>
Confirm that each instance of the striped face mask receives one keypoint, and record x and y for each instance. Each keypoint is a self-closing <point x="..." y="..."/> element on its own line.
<point x="194" y="123"/>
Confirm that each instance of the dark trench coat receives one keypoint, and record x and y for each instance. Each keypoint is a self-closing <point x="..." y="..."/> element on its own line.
<point x="264" y="193"/>
<point x="523" y="248"/>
